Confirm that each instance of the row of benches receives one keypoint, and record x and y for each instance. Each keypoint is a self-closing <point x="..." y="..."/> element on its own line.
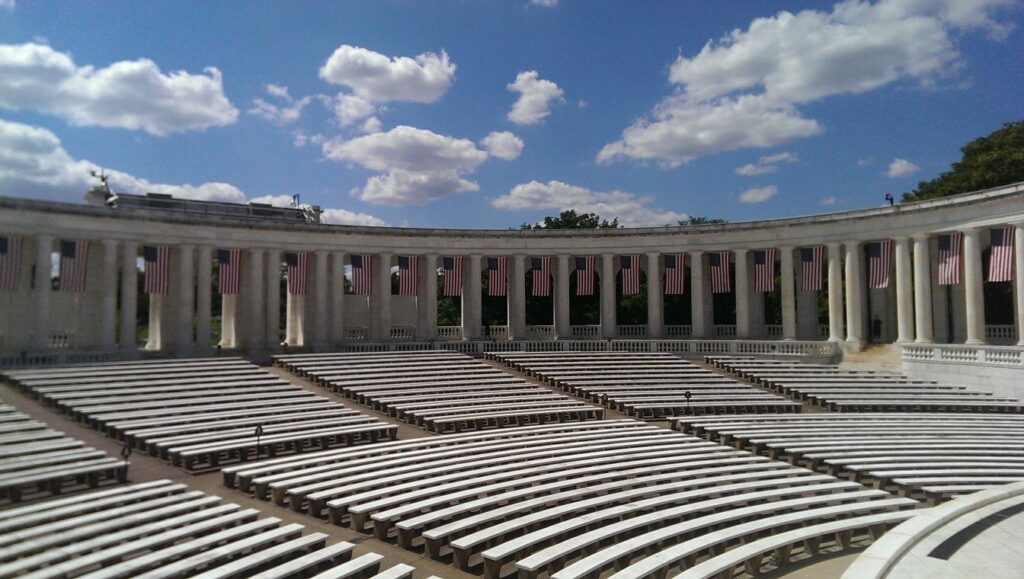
<point x="163" y="529"/>
<point x="200" y="413"/>
<point x="35" y="460"/>
<point x="443" y="392"/>
<point x="840" y="390"/>
<point x="644" y="385"/>
<point x="929" y="455"/>
<point x="574" y="500"/>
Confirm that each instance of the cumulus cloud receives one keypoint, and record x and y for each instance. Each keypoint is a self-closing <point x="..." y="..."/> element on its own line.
<point x="758" y="194"/>
<point x="544" y="3"/>
<point x="287" y="109"/>
<point x="535" y="98"/>
<point x="631" y="210"/>
<point x="760" y="74"/>
<point x="332" y="216"/>
<point x="134" y="95"/>
<point x="900" y="168"/>
<point x="503" y="145"/>
<point x="400" y="187"/>
<point x="767" y="164"/>
<point x="378" y="78"/>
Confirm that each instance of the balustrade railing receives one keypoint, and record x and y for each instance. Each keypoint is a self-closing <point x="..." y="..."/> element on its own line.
<point x="61" y="341"/>
<point x="587" y="331"/>
<point x="403" y="333"/>
<point x="725" y="331"/>
<point x="539" y="332"/>
<point x="1001" y="333"/>
<point x="774" y="330"/>
<point x="679" y="331"/>
<point x="494" y="332"/>
<point x="632" y="331"/>
<point x="356" y="333"/>
<point x="960" y="354"/>
<point x="449" y="332"/>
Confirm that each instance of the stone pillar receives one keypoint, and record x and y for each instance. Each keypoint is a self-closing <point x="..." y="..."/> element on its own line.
<point x="108" y="297"/>
<point x="336" y="299"/>
<point x="563" y="331"/>
<point x="787" y="279"/>
<point x="974" y="295"/>
<point x="272" y="312"/>
<point x="835" y="293"/>
<point x="655" y="299"/>
<point x="1018" y="256"/>
<point x="743" y="293"/>
<point x="255" y="312"/>
<point x="904" y="293"/>
<point x="517" y="297"/>
<point x="923" y="291"/>
<point x="854" y="297"/>
<point x="321" y="338"/>
<point x="701" y="325"/>
<point x="380" y="300"/>
<point x="183" y="333"/>
<point x="294" y="318"/>
<point x="609" y="329"/>
<point x="471" y="297"/>
<point x="204" y="289"/>
<point x="157" y="335"/>
<point x="41" y="293"/>
<point x="127" y="336"/>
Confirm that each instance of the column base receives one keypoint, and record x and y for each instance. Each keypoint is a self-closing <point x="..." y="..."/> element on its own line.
<point x="854" y="344"/>
<point x="975" y="343"/>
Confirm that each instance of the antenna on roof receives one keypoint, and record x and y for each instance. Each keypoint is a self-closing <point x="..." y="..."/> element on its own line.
<point x="103" y="177"/>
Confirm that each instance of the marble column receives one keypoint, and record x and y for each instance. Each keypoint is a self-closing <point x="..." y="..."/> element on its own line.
<point x="923" y="291"/>
<point x="41" y="293"/>
<point x="743" y="293"/>
<point x="787" y="279"/>
<point x="295" y="313"/>
<point x="336" y="299"/>
<point x="254" y="336"/>
<point x="974" y="294"/>
<point x="184" y="341"/>
<point x="609" y="329"/>
<point x="272" y="312"/>
<point x="472" y="297"/>
<point x="320" y="336"/>
<point x="563" y="331"/>
<point x="108" y="297"/>
<point x="427" y="300"/>
<point x="835" y="293"/>
<point x="700" y="322"/>
<point x="204" y="297"/>
<point x="655" y="299"/>
<point x="128" y="333"/>
<point x="517" y="297"/>
<point x="854" y="296"/>
<point x="904" y="293"/>
<point x="1018" y="245"/>
<point x="380" y="300"/>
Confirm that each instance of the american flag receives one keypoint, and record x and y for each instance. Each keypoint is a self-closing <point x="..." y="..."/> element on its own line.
<point x="158" y="266"/>
<point x="630" y="275"/>
<point x="675" y="274"/>
<point x="452" y="271"/>
<point x="297" y="267"/>
<point x="10" y="262"/>
<point x="408" y="275"/>
<point x="1000" y="265"/>
<point x="949" y="258"/>
<point x="74" y="255"/>
<point x="718" y="263"/>
<point x="541" y="267"/>
<point x="812" y="260"/>
<point x="585" y="276"/>
<point x="764" y="270"/>
<point x="229" y="269"/>
<point x="362" y="275"/>
<point x="879" y="263"/>
<point x="497" y="269"/>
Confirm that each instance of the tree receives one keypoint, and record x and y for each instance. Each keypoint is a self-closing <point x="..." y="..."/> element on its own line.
<point x="699" y="220"/>
<point x="990" y="161"/>
<point x="569" y="219"/>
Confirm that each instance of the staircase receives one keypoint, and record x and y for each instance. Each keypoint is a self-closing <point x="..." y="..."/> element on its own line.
<point x="877" y="357"/>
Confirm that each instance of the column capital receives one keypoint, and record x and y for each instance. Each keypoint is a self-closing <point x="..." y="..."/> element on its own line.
<point x="741" y="250"/>
<point x="974" y="231"/>
<point x="786" y="247"/>
<point x="185" y="246"/>
<point x="834" y="245"/>
<point x="697" y="252"/>
<point x="109" y="243"/>
<point x="922" y="236"/>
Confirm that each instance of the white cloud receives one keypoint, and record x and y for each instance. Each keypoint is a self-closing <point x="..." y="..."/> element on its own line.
<point x="400" y="187"/>
<point x="379" y="78"/>
<point x="350" y="108"/>
<point x="134" y="95"/>
<point x="901" y="168"/>
<point x="503" y="145"/>
<point x="767" y="164"/>
<point x="535" y="98"/>
<point x="285" y="113"/>
<point x="791" y="59"/>
<point x="346" y="217"/>
<point x="758" y="194"/>
<point x="631" y="210"/>
<point x="370" y="126"/>
<point x="829" y="201"/>
<point x="544" y="3"/>
<point x="275" y="200"/>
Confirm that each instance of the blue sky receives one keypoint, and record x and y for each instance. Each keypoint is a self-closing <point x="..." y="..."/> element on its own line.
<point x="481" y="113"/>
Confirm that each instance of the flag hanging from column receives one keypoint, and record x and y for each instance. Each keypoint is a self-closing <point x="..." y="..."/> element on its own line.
<point x="157" y="260"/>
<point x="297" y="267"/>
<point x="718" y="264"/>
<point x="879" y="263"/>
<point x="408" y="275"/>
<point x="949" y="258"/>
<point x="10" y="262"/>
<point x="585" y="276"/>
<point x="630" y="275"/>
<point x="74" y="255"/>
<point x="675" y="274"/>
<point x="541" y="267"/>
<point x="362" y="275"/>
<point x="812" y="261"/>
<point x="452" y="272"/>
<point x="1000" y="263"/>
<point x="497" y="274"/>
<point x="229" y="269"/>
<point x="764" y="270"/>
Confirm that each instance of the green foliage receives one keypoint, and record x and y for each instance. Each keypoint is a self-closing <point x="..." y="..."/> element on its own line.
<point x="699" y="220"/>
<point x="991" y="161"/>
<point x="569" y="219"/>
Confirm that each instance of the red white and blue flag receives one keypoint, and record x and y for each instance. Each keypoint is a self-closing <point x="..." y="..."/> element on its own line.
<point x="74" y="255"/>
<point x="812" y="261"/>
<point x="451" y="271"/>
<point x="157" y="260"/>
<point x="879" y="263"/>
<point x="675" y="274"/>
<point x="229" y="270"/>
<point x="949" y="258"/>
<point x="497" y="270"/>
<point x="585" y="276"/>
<point x="362" y="275"/>
<point x="1000" y="264"/>
<point x="408" y="275"/>
<point x="541" y="267"/>
<point x="764" y="270"/>
<point x="630" y="275"/>
<point x="718" y="264"/>
<point x="10" y="262"/>
<point x="297" y="268"/>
